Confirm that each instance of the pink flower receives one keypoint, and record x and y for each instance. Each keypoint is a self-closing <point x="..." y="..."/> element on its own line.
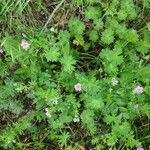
<point x="138" y="90"/>
<point x="1" y="50"/>
<point x="140" y="148"/>
<point x="78" y="87"/>
<point x="25" y="44"/>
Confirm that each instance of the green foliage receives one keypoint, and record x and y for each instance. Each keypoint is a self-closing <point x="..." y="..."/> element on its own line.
<point x="92" y="13"/>
<point x="127" y="10"/>
<point x="68" y="63"/>
<point x="93" y="36"/>
<point x="52" y="54"/>
<point x="76" y="27"/>
<point x="86" y="85"/>
<point x="131" y="36"/>
<point x="112" y="58"/>
<point x="107" y="36"/>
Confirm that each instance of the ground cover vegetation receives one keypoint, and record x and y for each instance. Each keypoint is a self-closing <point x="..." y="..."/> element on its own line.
<point x="75" y="74"/>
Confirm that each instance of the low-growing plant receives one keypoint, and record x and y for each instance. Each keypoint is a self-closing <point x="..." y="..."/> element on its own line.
<point x="85" y="86"/>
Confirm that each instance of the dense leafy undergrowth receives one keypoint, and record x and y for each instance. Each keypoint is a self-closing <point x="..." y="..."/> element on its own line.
<point x="83" y="86"/>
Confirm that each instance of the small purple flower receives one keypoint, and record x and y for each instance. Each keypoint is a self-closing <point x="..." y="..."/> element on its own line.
<point x="138" y="90"/>
<point x="24" y="44"/>
<point x="140" y="148"/>
<point x="78" y="87"/>
<point x="136" y="106"/>
<point x="1" y="50"/>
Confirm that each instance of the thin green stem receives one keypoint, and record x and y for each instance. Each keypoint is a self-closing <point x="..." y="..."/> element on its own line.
<point x="52" y="15"/>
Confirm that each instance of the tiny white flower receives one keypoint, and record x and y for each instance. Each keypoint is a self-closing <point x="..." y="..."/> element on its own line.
<point x="52" y="29"/>
<point x="47" y="113"/>
<point x="1" y="50"/>
<point x="76" y="119"/>
<point x="46" y="109"/>
<point x="136" y="106"/>
<point x="55" y="102"/>
<point x="114" y="81"/>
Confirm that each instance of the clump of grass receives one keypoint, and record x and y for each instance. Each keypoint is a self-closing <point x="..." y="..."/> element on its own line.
<point x="18" y="15"/>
